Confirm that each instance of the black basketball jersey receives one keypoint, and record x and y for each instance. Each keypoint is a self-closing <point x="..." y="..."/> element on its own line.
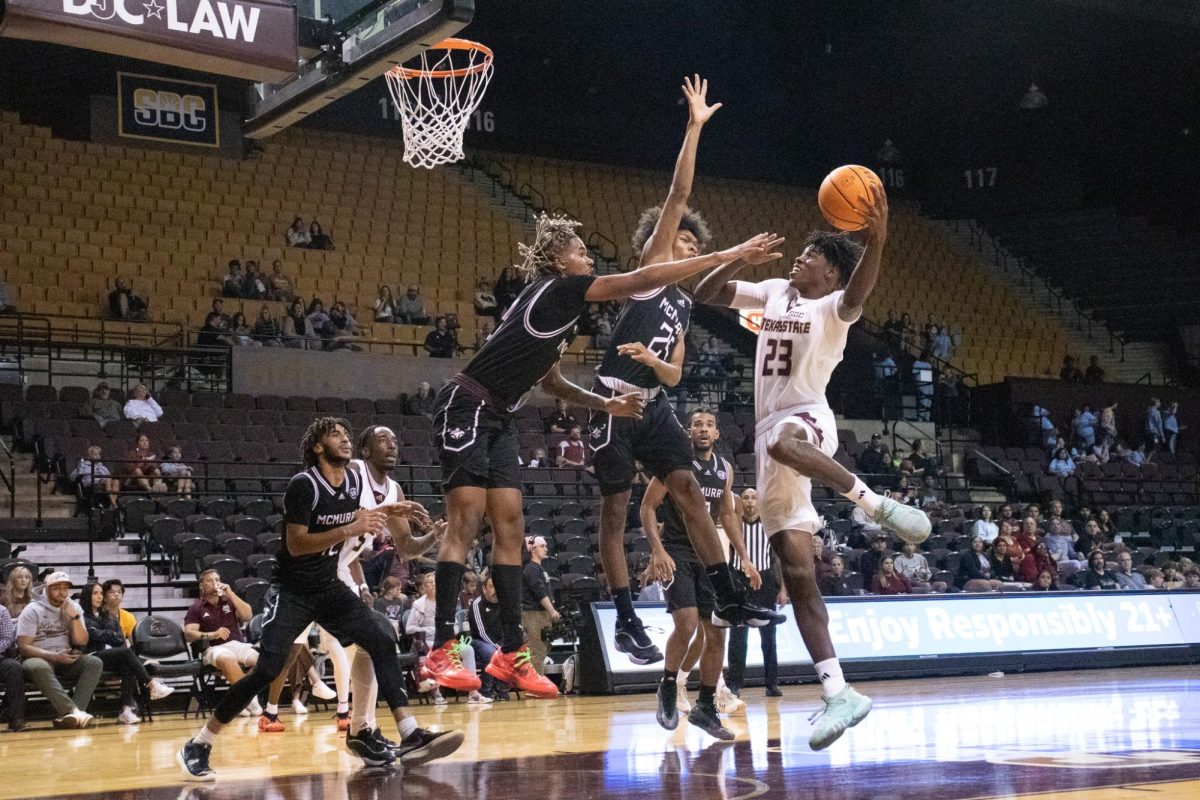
<point x="712" y="476"/>
<point x="530" y="338"/>
<point x="310" y="501"/>
<point x="658" y="320"/>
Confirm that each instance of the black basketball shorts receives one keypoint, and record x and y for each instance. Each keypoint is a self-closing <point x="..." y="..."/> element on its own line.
<point x="691" y="587"/>
<point x="338" y="610"/>
<point x="477" y="442"/>
<point x="657" y="440"/>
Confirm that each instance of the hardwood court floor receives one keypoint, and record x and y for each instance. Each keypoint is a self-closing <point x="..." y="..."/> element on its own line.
<point x="1090" y="735"/>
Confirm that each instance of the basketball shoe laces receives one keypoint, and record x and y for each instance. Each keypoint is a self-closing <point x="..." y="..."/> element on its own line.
<point x="820" y="712"/>
<point x="455" y="652"/>
<point x="523" y="660"/>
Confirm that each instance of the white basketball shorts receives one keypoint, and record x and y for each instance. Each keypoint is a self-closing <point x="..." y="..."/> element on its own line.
<point x="784" y="495"/>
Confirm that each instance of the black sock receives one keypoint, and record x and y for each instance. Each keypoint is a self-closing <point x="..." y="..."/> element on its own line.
<point x="623" y="598"/>
<point x="449" y="583"/>
<point x="722" y="582"/>
<point x="708" y="695"/>
<point x="507" y="580"/>
<point x="669" y="676"/>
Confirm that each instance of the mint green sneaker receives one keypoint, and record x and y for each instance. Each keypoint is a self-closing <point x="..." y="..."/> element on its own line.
<point x="844" y="710"/>
<point x="909" y="523"/>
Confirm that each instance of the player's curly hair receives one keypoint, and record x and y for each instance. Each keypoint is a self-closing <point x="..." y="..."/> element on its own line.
<point x="839" y="250"/>
<point x="691" y="221"/>
<point x="318" y="430"/>
<point x="551" y="236"/>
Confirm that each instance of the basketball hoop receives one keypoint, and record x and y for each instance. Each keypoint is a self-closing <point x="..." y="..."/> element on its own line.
<point x="436" y="99"/>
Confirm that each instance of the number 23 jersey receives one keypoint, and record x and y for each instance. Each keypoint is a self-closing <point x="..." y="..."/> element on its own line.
<point x="799" y="344"/>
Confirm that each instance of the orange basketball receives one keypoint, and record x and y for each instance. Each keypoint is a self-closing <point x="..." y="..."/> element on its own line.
<point x="845" y="194"/>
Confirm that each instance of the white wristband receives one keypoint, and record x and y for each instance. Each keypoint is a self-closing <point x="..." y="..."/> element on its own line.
<point x="362" y="587"/>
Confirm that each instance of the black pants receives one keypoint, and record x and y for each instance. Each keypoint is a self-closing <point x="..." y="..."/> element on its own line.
<point x="12" y="679"/>
<point x="336" y="609"/>
<point x="739" y="638"/>
<point x="124" y="662"/>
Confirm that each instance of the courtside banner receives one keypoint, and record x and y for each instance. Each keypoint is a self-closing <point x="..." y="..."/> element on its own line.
<point x="165" y="110"/>
<point x="250" y="39"/>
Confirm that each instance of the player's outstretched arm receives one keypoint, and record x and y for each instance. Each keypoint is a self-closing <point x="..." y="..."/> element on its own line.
<point x="862" y="281"/>
<point x="758" y="249"/>
<point x="718" y="288"/>
<point x="669" y="373"/>
<point x="662" y="566"/>
<point x="626" y="405"/>
<point x="658" y="246"/>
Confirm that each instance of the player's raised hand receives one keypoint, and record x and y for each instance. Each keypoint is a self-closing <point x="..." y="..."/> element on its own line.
<point x="367" y="521"/>
<point x="696" y="92"/>
<point x="876" y="214"/>
<point x="410" y="510"/>
<point x="751" y="572"/>
<point x="626" y="405"/>
<point x="638" y="352"/>
<point x="755" y="250"/>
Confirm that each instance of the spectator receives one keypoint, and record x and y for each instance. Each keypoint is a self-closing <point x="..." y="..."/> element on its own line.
<point x="1171" y="578"/>
<point x="922" y="374"/>
<point x="1191" y="578"/>
<point x="1108" y="425"/>
<point x="266" y="330"/>
<point x="7" y="306"/>
<point x="12" y="676"/>
<point x="124" y="304"/>
<point x="240" y="333"/>
<point x="915" y="567"/>
<point x="887" y="580"/>
<point x="422" y="401"/>
<point x="1125" y="575"/>
<point x="1097" y="576"/>
<point x="279" y="286"/>
<point x="102" y="406"/>
<point x="107" y="642"/>
<point x="254" y="286"/>
<point x="1060" y="546"/>
<point x="508" y="286"/>
<point x="975" y="570"/>
<point x="836" y="583"/>
<point x="891" y="328"/>
<point x="875" y="459"/>
<point x="1091" y="538"/>
<point x="421" y="626"/>
<point x="603" y="333"/>
<point x="572" y="451"/>
<point x="91" y="474"/>
<point x="483" y="334"/>
<point x="1036" y="562"/>
<point x="710" y="358"/>
<point x="1003" y="567"/>
<point x="453" y="325"/>
<point x="884" y="371"/>
<point x="984" y="527"/>
<point x="214" y="620"/>
<point x="215" y="332"/>
<point x="392" y="601"/>
<point x="298" y="332"/>
<point x="343" y="325"/>
<point x="114" y="593"/>
<point x="923" y="462"/>
<point x="1070" y="372"/>
<point x="1044" y="581"/>
<point x="537" y="606"/>
<point x="1171" y="426"/>
<point x="298" y="235"/>
<point x="176" y="475"/>
<point x="539" y="460"/>
<point x="868" y="562"/>
<point x="142" y="463"/>
<point x="18" y="590"/>
<point x="1154" y="578"/>
<point x="1062" y="464"/>
<point x="483" y="616"/>
<point x="485" y="299"/>
<point x="930" y="496"/>
<point x="410" y="309"/>
<point x="1095" y="372"/>
<point x="440" y="342"/>
<point x="141" y="407"/>
<point x="318" y="319"/>
<point x="1083" y="426"/>
<point x="1105" y="525"/>
<point x="942" y="343"/>
<point x="318" y="239"/>
<point x="234" y="280"/>
<point x="562" y="420"/>
<point x="50" y="633"/>
<point x="385" y="305"/>
<point x="1155" y="435"/>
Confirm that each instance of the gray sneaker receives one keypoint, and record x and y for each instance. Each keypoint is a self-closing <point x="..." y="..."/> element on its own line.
<point x="909" y="523"/>
<point x="844" y="710"/>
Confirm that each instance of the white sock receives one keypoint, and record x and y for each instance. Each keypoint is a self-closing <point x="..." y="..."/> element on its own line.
<point x="272" y="709"/>
<point x="407" y="726"/>
<point x="205" y="736"/>
<point x="343" y="708"/>
<point x="863" y="497"/>
<point x="682" y="680"/>
<point x="830" y="673"/>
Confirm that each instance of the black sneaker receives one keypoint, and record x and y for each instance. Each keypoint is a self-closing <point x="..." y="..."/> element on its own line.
<point x="632" y="640"/>
<point x="378" y="736"/>
<point x="704" y="716"/>
<point x="193" y="757"/>
<point x="741" y="612"/>
<point x="422" y="746"/>
<point x="373" y="752"/>
<point x="774" y="691"/>
<point x="667" y="714"/>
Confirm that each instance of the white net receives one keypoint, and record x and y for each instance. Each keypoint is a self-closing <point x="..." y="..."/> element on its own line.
<point x="436" y="98"/>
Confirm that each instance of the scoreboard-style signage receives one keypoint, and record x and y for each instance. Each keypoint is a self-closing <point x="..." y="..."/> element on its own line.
<point x="165" y="110"/>
<point x="250" y="39"/>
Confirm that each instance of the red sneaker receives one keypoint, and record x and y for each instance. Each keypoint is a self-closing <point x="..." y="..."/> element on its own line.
<point x="269" y="723"/>
<point x="517" y="670"/>
<point x="343" y="722"/>
<point x="445" y="666"/>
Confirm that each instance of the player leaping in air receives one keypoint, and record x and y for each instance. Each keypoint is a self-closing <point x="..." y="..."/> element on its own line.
<point x="805" y="322"/>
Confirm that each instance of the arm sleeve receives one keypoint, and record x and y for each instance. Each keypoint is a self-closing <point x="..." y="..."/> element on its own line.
<point x="747" y="294"/>
<point x="534" y="582"/>
<point x="561" y="302"/>
<point x="298" y="501"/>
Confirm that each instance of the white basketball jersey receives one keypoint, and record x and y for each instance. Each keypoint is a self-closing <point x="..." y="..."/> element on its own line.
<point x="371" y="496"/>
<point x="799" y="344"/>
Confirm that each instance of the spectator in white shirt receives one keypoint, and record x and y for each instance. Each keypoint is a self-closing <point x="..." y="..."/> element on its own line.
<point x="298" y="235"/>
<point x="984" y="528"/>
<point x="142" y="407"/>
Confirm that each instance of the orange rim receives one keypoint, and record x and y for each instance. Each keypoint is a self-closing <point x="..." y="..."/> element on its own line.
<point x="407" y="73"/>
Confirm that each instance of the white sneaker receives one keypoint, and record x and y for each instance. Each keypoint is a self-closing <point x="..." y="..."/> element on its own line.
<point x="82" y="717"/>
<point x="128" y="717"/>
<point x="909" y="523"/>
<point x="681" y="699"/>
<point x="476" y="698"/>
<point x="321" y="691"/>
<point x="728" y="702"/>
<point x="438" y="699"/>
<point x="298" y="708"/>
<point x="159" y="690"/>
<point x="253" y="710"/>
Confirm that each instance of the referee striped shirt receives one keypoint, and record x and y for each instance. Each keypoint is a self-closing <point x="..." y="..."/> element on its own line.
<point x="757" y="546"/>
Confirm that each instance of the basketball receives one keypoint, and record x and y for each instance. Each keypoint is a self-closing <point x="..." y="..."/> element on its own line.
<point x="845" y="194"/>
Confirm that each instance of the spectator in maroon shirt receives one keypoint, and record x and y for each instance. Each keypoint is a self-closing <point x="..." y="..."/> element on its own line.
<point x="888" y="581"/>
<point x="215" y="619"/>
<point x="572" y="452"/>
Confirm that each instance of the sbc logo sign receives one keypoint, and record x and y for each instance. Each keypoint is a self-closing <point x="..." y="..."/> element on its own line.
<point x="167" y="110"/>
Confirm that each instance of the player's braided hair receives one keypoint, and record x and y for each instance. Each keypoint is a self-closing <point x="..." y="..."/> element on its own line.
<point x="318" y="430"/>
<point x="690" y="221"/>
<point x="839" y="250"/>
<point x="552" y="234"/>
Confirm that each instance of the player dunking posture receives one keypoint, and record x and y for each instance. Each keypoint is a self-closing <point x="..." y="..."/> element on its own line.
<point x="476" y="434"/>
<point x="690" y="596"/>
<point x="646" y="354"/>
<point x="805" y="322"/>
<point x="322" y="514"/>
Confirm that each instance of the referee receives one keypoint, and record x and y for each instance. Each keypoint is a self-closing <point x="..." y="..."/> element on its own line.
<point x="765" y="597"/>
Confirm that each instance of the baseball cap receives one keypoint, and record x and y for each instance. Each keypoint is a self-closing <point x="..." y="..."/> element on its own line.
<point x="879" y="536"/>
<point x="58" y="577"/>
<point x="534" y="541"/>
